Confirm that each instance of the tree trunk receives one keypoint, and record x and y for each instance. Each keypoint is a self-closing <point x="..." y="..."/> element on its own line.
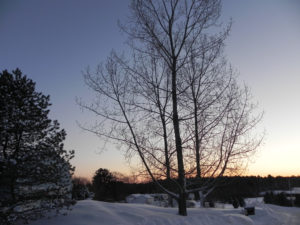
<point x="167" y="161"/>
<point x="202" y="198"/>
<point x="170" y="201"/>
<point x="198" y="175"/>
<point x="181" y="173"/>
<point x="182" y="204"/>
<point x="197" y="195"/>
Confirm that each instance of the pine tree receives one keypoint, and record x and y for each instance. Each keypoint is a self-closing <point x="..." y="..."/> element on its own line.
<point x="103" y="182"/>
<point x="35" y="170"/>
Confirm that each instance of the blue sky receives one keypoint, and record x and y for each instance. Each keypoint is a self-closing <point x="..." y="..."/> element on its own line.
<point x="53" y="41"/>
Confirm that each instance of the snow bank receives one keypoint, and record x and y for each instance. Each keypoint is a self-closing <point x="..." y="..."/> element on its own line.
<point x="223" y="205"/>
<point x="157" y="200"/>
<point x="140" y="199"/>
<point x="89" y="212"/>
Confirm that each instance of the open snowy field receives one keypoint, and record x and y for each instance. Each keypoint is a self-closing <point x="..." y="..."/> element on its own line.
<point x="89" y="212"/>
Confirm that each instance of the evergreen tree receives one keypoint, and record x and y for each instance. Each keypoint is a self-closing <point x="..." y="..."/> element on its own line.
<point x="103" y="182"/>
<point x="33" y="162"/>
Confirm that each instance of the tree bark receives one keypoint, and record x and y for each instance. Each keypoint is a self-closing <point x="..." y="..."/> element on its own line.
<point x="197" y="142"/>
<point x="181" y="174"/>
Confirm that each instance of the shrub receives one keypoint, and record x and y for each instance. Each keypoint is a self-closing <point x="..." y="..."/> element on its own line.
<point x="80" y="189"/>
<point x="277" y="199"/>
<point x="235" y="203"/>
<point x="297" y="200"/>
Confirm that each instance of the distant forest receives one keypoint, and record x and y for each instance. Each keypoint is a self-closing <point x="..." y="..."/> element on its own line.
<point x="232" y="187"/>
<point x="252" y="186"/>
<point x="228" y="188"/>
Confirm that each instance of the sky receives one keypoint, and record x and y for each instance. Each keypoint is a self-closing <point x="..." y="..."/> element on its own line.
<point x="53" y="41"/>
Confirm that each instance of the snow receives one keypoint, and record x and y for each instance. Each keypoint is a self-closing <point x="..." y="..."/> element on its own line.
<point x="157" y="199"/>
<point x="223" y="205"/>
<point x="89" y="212"/>
<point x="250" y="202"/>
<point x="140" y="199"/>
<point x="295" y="190"/>
<point x="28" y="206"/>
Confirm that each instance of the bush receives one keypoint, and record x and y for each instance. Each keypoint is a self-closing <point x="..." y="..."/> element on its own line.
<point x="297" y="200"/>
<point x="277" y="199"/>
<point x="282" y="200"/>
<point x="235" y="203"/>
<point x="241" y="201"/>
<point x="80" y="189"/>
<point x="269" y="198"/>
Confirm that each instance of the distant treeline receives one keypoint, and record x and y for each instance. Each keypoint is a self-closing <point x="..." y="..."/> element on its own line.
<point x="251" y="186"/>
<point x="227" y="188"/>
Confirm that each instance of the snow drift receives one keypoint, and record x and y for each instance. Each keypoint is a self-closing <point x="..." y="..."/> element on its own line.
<point x="89" y="212"/>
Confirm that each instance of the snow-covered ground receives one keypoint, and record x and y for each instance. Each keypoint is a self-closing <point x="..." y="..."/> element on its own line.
<point x="89" y="212"/>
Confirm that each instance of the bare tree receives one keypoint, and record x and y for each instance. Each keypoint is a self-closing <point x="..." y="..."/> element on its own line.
<point x="226" y="139"/>
<point x="205" y="82"/>
<point x="174" y="103"/>
<point x="173" y="29"/>
<point x="151" y="86"/>
<point x="122" y="119"/>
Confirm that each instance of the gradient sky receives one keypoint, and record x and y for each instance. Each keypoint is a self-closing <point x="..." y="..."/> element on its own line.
<point x="52" y="41"/>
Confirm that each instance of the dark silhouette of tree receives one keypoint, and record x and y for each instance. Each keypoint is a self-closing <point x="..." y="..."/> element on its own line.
<point x="175" y="102"/>
<point x="31" y="146"/>
<point x="80" y="189"/>
<point x="102" y="184"/>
